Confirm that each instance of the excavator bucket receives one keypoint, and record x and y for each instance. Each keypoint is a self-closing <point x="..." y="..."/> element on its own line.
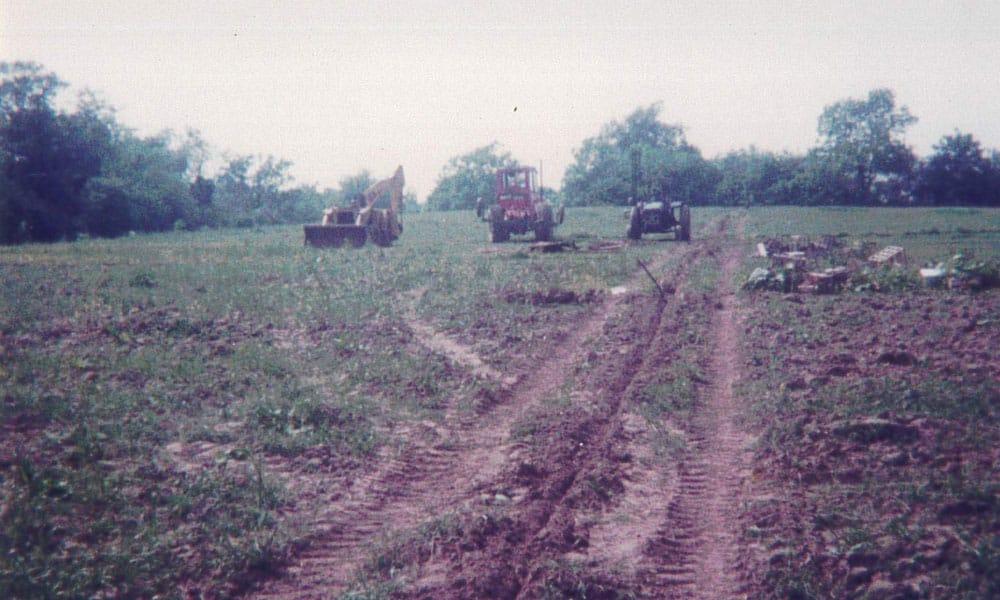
<point x="325" y="236"/>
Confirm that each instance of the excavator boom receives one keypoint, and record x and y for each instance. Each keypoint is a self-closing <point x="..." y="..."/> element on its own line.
<point x="395" y="187"/>
<point x="362" y="222"/>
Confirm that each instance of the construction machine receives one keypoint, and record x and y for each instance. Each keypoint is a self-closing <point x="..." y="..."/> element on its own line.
<point x="518" y="206"/>
<point x="659" y="215"/>
<point x="361" y="221"/>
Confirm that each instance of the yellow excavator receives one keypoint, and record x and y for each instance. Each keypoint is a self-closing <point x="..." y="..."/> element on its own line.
<point x="361" y="221"/>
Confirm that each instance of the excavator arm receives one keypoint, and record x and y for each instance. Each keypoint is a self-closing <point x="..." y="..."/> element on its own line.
<point x="387" y="222"/>
<point x="395" y="187"/>
<point x="362" y="221"/>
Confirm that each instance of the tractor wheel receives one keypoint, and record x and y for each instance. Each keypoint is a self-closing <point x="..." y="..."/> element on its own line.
<point x="544" y="224"/>
<point x="543" y="213"/>
<point x="499" y="232"/>
<point x="684" y="233"/>
<point x="635" y="224"/>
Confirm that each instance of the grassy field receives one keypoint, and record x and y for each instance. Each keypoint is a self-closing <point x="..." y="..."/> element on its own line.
<point x="149" y="383"/>
<point x="927" y="234"/>
<point x="117" y="357"/>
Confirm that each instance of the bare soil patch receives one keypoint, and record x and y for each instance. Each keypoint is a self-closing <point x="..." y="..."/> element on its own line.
<point x="567" y="484"/>
<point x="880" y="448"/>
<point x="458" y="468"/>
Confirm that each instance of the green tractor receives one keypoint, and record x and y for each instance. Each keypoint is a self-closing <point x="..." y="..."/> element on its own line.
<point x="660" y="216"/>
<point x="656" y="215"/>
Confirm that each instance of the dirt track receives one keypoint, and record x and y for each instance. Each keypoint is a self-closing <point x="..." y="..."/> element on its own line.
<point x="563" y="486"/>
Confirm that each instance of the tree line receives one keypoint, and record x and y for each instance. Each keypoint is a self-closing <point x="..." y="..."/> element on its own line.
<point x="861" y="160"/>
<point x="65" y="174"/>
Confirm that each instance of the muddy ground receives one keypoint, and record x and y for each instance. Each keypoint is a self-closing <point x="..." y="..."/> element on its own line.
<point x="698" y="444"/>
<point x="685" y="440"/>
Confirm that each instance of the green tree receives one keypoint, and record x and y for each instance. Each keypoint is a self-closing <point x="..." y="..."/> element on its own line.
<point x="861" y="141"/>
<point x="352" y="186"/>
<point x="46" y="157"/>
<point x="640" y="156"/>
<point x="25" y="86"/>
<point x="820" y="181"/>
<point x="233" y="196"/>
<point x="66" y="173"/>
<point x="43" y="175"/>
<point x="202" y="189"/>
<point x="141" y="187"/>
<point x="468" y="177"/>
<point x="302" y="204"/>
<point x="959" y="173"/>
<point x="256" y="191"/>
<point x="680" y="174"/>
<point x="410" y="203"/>
<point x="269" y="181"/>
<point x="751" y="177"/>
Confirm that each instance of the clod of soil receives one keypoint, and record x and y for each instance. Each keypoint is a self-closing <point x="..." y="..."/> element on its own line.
<point x="552" y="296"/>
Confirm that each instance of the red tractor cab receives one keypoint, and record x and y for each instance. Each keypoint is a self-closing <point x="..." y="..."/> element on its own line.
<point x="518" y="206"/>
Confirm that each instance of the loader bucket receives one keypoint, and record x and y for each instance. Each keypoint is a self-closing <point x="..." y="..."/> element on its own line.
<point x="334" y="236"/>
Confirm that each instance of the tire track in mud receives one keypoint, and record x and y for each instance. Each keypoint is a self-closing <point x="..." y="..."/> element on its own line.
<point x="622" y="532"/>
<point x="442" y="467"/>
<point x="683" y="539"/>
<point x="578" y="454"/>
<point x="679" y="538"/>
<point x="695" y="552"/>
<point x="602" y="442"/>
<point x="438" y="342"/>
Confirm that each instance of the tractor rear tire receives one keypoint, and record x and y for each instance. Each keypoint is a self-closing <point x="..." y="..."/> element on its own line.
<point x="545" y="223"/>
<point x="499" y="232"/>
<point x="634" y="224"/>
<point x="684" y="233"/>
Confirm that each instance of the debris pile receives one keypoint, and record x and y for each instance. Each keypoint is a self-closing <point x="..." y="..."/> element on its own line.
<point x="552" y="246"/>
<point x="962" y="273"/>
<point x="829" y="266"/>
<point x="888" y="255"/>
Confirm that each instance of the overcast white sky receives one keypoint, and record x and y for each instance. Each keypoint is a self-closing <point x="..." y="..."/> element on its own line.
<point x="336" y="87"/>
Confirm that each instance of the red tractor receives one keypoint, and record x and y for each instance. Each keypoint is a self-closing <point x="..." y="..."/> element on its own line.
<point x="518" y="207"/>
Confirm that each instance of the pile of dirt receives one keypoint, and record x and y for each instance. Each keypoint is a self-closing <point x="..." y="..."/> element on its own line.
<point x="552" y="296"/>
<point x="813" y="249"/>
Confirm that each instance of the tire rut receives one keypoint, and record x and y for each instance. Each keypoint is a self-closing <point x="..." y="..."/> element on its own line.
<point x="522" y="559"/>
<point x="418" y="483"/>
<point x="559" y="519"/>
<point x="468" y="456"/>
<point x="695" y="552"/>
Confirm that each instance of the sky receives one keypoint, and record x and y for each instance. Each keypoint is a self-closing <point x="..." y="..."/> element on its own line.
<point x="340" y="87"/>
